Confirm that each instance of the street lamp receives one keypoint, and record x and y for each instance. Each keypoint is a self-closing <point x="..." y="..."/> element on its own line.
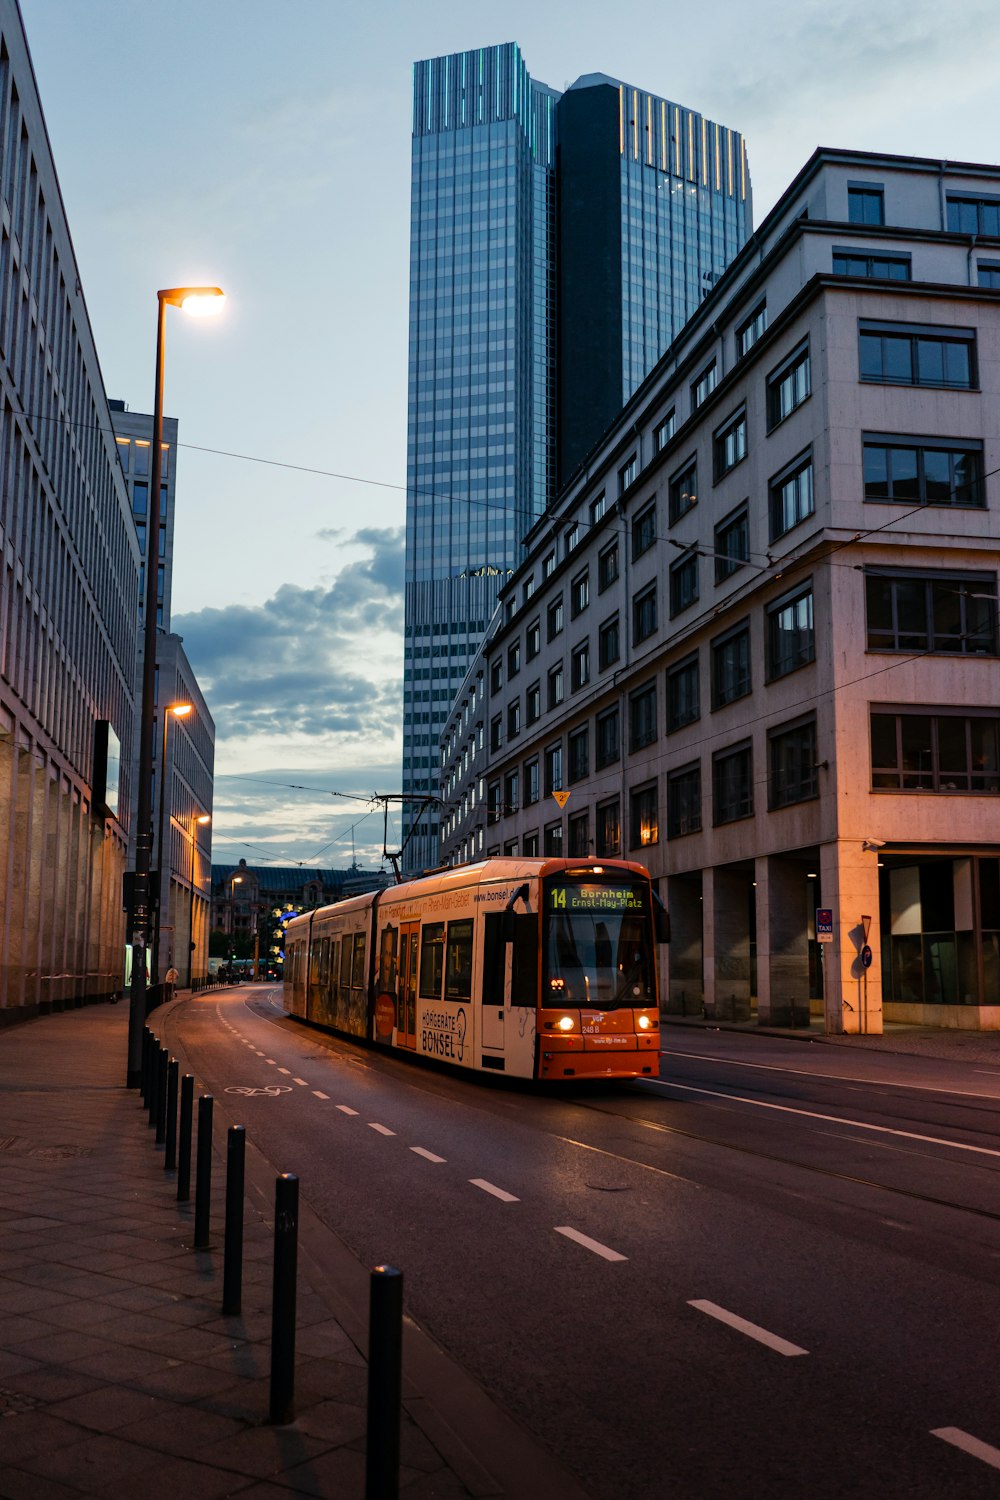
<point x="193" y="299"/>
<point x="179" y="711"/>
<point x="200" y="818"/>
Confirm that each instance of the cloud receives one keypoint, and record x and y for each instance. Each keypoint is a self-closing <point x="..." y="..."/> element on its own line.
<point x="321" y="661"/>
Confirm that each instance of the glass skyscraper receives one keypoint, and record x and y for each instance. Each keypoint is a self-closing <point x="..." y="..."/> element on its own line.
<point x="557" y="245"/>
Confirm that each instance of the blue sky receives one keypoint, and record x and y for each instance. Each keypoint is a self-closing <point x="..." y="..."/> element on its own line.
<point x="266" y="149"/>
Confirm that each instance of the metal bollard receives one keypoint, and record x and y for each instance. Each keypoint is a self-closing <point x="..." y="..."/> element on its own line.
<point x="144" y="1070"/>
<point x="170" y="1148"/>
<point x="203" y="1182"/>
<point x="154" y="1077"/>
<point x="184" y="1143"/>
<point x="283" y="1296"/>
<point x="385" y="1377"/>
<point x="232" y="1260"/>
<point x="161" y="1095"/>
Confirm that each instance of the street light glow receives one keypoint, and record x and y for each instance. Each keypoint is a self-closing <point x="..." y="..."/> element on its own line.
<point x="203" y="303"/>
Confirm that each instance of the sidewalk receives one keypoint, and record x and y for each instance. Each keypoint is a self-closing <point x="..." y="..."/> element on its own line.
<point x="118" y="1374"/>
<point x="942" y="1043"/>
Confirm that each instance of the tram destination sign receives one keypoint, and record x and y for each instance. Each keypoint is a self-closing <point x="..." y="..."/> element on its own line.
<point x="596" y="897"/>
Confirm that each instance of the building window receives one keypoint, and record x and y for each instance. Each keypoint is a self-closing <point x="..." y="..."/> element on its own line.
<point x="555" y="618"/>
<point x="732" y="784"/>
<point x="532" y="640"/>
<point x="792" y="768"/>
<point x="750" y="330"/>
<point x="530" y="781"/>
<point x="553" y="840"/>
<point x="683" y="583"/>
<point x="607" y="566"/>
<point x="935" y="751"/>
<point x="579" y="666"/>
<point x="578" y="746"/>
<point x="533" y="702"/>
<point x="664" y="431"/>
<point x="922" y="471"/>
<point x="877" y="264"/>
<point x="918" y="354"/>
<point x="865" y="203"/>
<point x="557" y="689"/>
<point x="572" y="538"/>
<point x="579" y="593"/>
<point x="513" y="659"/>
<point x="705" y="384"/>
<point x="579" y="836"/>
<point x="549" y="564"/>
<point x="644" y="614"/>
<point x="608" y="748"/>
<point x="528" y="588"/>
<point x="493" y="803"/>
<point x="644" y="817"/>
<point x="642" y="717"/>
<point x="683" y="492"/>
<point x="496" y="674"/>
<point x="514" y="719"/>
<point x="511" y="792"/>
<point x="729" y="444"/>
<point x="684" y="801"/>
<point x="989" y="274"/>
<point x="791" y="638"/>
<point x="609" y="828"/>
<point x="792" y="497"/>
<point x="626" y="475"/>
<point x="496" y="732"/>
<point x="732" y="543"/>
<point x="608" y="647"/>
<point x="974" y="215"/>
<point x="598" y="507"/>
<point x="553" y="769"/>
<point x="140" y="498"/>
<point x="954" y="613"/>
<point x="510" y="847"/>
<point x="531" y="845"/>
<point x="731" y="666"/>
<point x="643" y="529"/>
<point x="682" y="694"/>
<point x="788" y="386"/>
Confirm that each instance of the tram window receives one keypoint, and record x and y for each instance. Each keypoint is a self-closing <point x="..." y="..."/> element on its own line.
<point x="345" y="964"/>
<point x="358" y="976"/>
<point x="432" y="961"/>
<point x="387" y="960"/>
<point x="524" y="971"/>
<point x="324" y="962"/>
<point x="334" y="964"/>
<point x="458" y="972"/>
<point x="493" y="959"/>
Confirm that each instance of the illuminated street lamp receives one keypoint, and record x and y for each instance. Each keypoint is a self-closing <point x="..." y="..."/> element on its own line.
<point x="198" y="818"/>
<point x="197" y="300"/>
<point x="179" y="711"/>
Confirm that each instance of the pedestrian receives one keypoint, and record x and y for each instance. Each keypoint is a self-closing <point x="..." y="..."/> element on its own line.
<point x="170" y="982"/>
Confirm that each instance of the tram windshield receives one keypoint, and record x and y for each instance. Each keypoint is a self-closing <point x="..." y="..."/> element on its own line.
<point x="598" y="945"/>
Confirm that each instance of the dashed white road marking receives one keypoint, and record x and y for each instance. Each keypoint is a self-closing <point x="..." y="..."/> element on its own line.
<point x="270" y="1062"/>
<point x="488" y="1187"/>
<point x="320" y="1095"/>
<point x="301" y="1081"/>
<point x="259" y="1054"/>
<point x="427" y="1155"/>
<point x="968" y="1444"/>
<point x="382" y="1129"/>
<point x="287" y="1072"/>
<point x="345" y="1109"/>
<point x="604" y="1251"/>
<point x="752" y="1330"/>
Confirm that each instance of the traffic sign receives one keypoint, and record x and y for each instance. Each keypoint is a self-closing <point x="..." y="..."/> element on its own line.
<point x="561" y="797"/>
<point x="866" y="956"/>
<point x="824" y="924"/>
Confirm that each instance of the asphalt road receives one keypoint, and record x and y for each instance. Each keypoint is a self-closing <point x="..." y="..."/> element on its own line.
<point x="773" y="1272"/>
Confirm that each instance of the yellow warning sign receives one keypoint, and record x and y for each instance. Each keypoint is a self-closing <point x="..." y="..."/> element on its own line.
<point x="561" y="797"/>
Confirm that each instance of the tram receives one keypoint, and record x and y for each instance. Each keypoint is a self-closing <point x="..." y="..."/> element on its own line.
<point x="533" y="968"/>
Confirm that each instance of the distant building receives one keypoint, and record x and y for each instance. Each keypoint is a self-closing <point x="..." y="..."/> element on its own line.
<point x="244" y="896"/>
<point x="755" y="646"/>
<point x="69" y="574"/>
<point x="558" y="244"/>
<point x="190" y="742"/>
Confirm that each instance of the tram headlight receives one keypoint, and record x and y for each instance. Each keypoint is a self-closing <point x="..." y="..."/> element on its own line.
<point x="644" y="1023"/>
<point x="565" y="1023"/>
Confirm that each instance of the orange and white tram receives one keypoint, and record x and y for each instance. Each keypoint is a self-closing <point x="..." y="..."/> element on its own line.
<point x="532" y="968"/>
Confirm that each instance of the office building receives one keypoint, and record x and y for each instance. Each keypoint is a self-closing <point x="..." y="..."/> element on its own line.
<point x="754" y="644"/>
<point x="558" y="244"/>
<point x="68" y="575"/>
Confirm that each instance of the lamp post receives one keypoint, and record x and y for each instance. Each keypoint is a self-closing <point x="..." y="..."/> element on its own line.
<point x="193" y="299"/>
<point x="198" y="818"/>
<point x="179" y="711"/>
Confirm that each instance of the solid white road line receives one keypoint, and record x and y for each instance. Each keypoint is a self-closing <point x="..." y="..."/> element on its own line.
<point x="428" y="1155"/>
<point x="752" y="1330"/>
<point x="301" y="1081"/>
<point x="487" y="1187"/>
<point x="382" y="1129"/>
<point x="345" y="1109"/>
<point x="319" y="1095"/>
<point x="879" y="1083"/>
<point x="588" y="1243"/>
<point x="968" y="1444"/>
<point x="810" y="1114"/>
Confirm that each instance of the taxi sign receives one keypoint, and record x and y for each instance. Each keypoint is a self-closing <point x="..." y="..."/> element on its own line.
<point x="824" y="924"/>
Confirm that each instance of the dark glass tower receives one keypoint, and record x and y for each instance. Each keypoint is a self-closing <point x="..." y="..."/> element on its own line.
<point x="557" y="245"/>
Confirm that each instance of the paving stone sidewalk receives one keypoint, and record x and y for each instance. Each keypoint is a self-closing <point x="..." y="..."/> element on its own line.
<point x="118" y="1374"/>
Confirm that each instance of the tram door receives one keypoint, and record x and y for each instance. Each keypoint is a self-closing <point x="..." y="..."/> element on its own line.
<point x="406" y="1020"/>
